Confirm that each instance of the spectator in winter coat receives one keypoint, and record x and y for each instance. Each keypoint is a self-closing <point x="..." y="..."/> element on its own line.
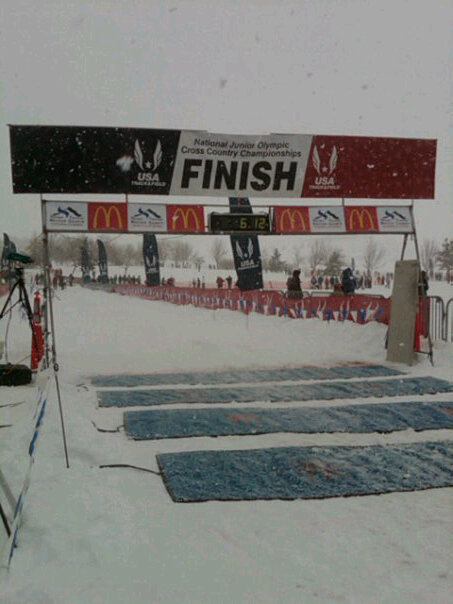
<point x="423" y="284"/>
<point x="348" y="282"/>
<point x="219" y="282"/>
<point x="293" y="285"/>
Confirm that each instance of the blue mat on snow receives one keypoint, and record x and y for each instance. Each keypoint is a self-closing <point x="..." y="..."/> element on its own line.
<point x="246" y="376"/>
<point x="221" y="421"/>
<point x="277" y="393"/>
<point x="306" y="472"/>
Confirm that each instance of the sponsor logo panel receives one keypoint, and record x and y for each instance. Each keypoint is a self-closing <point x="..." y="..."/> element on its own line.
<point x="107" y="216"/>
<point x="66" y="216"/>
<point x="185" y="218"/>
<point x="361" y="219"/>
<point x="146" y="217"/>
<point x="327" y="219"/>
<point x="290" y="219"/>
<point x="394" y="219"/>
<point x="240" y="165"/>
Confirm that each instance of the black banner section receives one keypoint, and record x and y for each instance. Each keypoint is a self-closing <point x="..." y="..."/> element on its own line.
<point x="246" y="250"/>
<point x="151" y="259"/>
<point x="77" y="159"/>
<point x="103" y="268"/>
<point x="85" y="264"/>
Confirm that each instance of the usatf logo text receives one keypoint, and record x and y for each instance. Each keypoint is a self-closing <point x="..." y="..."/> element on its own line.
<point x="148" y="166"/>
<point x="325" y="170"/>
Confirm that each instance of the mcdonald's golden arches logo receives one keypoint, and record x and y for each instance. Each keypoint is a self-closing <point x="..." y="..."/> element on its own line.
<point x="361" y="218"/>
<point x="187" y="219"/>
<point x="289" y="219"/>
<point x="107" y="216"/>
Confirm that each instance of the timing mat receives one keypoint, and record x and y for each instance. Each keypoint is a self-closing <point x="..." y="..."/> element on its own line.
<point x="235" y="376"/>
<point x="276" y="393"/>
<point x="306" y="472"/>
<point x="221" y="421"/>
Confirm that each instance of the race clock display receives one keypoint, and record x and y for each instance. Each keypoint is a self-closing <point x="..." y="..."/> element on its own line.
<point x="239" y="223"/>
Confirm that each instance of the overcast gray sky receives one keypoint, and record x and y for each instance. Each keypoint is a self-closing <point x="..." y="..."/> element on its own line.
<point x="346" y="67"/>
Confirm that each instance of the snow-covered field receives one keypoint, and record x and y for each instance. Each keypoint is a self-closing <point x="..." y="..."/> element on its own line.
<point x="114" y="535"/>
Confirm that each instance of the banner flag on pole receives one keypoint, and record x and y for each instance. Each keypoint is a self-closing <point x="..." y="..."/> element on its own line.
<point x="85" y="264"/>
<point x="151" y="259"/>
<point x="246" y="250"/>
<point x="103" y="265"/>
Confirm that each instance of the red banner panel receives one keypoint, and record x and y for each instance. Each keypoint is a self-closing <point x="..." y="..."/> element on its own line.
<point x="370" y="167"/>
<point x="107" y="216"/>
<point x="290" y="219"/>
<point x="185" y="218"/>
<point x="361" y="219"/>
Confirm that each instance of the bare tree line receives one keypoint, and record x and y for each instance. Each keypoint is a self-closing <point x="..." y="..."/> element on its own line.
<point x="321" y="257"/>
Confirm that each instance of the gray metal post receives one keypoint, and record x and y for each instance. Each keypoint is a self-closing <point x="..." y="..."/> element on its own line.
<point x="49" y="311"/>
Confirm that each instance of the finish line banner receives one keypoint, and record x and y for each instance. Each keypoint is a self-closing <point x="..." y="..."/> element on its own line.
<point x="76" y="159"/>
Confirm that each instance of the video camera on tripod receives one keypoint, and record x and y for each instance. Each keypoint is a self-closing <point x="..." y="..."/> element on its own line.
<point x="16" y="263"/>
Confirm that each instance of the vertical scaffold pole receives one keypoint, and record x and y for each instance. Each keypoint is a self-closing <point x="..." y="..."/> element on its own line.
<point x="51" y="332"/>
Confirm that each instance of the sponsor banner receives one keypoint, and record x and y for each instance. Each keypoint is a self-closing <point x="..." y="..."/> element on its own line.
<point x="103" y="265"/>
<point x="361" y="308"/>
<point x="361" y="219"/>
<point x="185" y="218"/>
<point x="246" y="251"/>
<point x="327" y="219"/>
<point x="225" y="164"/>
<point x="394" y="219"/>
<point x="291" y="219"/>
<point x="331" y="219"/>
<point x="147" y="217"/>
<point x="66" y="216"/>
<point x="151" y="259"/>
<point x="77" y="159"/>
<point x="370" y="167"/>
<point x="110" y="217"/>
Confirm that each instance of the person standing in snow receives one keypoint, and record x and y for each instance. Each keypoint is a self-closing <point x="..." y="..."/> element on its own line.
<point x="293" y="285"/>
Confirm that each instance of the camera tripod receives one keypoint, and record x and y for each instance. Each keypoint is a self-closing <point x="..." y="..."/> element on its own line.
<point x="23" y="300"/>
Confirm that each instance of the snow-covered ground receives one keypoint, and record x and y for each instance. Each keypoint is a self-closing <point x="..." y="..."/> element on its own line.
<point x="114" y="535"/>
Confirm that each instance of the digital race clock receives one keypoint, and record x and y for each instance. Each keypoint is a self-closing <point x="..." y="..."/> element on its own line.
<point x="239" y="223"/>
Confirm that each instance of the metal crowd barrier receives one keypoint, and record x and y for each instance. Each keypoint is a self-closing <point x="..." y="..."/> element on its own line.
<point x="448" y="321"/>
<point x="440" y="319"/>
